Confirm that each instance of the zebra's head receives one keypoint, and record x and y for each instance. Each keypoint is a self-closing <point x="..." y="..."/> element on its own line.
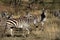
<point x="6" y="15"/>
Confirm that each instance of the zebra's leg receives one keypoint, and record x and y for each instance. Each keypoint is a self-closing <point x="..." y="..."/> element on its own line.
<point x="28" y="31"/>
<point x="4" y="32"/>
<point x="24" y="35"/>
<point x="11" y="32"/>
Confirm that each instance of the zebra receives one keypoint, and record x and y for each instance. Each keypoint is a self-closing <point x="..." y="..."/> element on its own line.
<point x="15" y="23"/>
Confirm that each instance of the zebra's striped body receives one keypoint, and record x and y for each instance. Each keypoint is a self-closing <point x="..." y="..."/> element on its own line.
<point x="17" y="23"/>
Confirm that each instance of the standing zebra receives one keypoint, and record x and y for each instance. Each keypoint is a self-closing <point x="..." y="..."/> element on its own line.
<point x="15" y="23"/>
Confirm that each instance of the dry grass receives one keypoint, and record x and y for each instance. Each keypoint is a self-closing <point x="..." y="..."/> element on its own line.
<point x="51" y="28"/>
<point x="51" y="31"/>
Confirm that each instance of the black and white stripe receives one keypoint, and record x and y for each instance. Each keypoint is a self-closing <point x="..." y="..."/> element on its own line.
<point x="12" y="22"/>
